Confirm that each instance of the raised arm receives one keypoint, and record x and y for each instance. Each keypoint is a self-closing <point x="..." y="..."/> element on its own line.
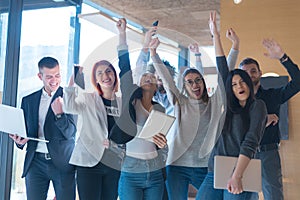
<point x="72" y="103"/>
<point x="168" y="82"/>
<point x="220" y="56"/>
<point x="123" y="54"/>
<point x="125" y="128"/>
<point x="234" y="51"/>
<point x="274" y="51"/>
<point x="121" y="26"/>
<point x="144" y="57"/>
<point x="215" y="34"/>
<point x="194" y="48"/>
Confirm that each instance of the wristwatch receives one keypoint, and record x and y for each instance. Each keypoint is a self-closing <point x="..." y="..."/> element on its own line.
<point x="58" y="116"/>
<point x="283" y="58"/>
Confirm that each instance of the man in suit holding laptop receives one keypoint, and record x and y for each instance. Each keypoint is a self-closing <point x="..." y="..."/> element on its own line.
<point x="44" y="118"/>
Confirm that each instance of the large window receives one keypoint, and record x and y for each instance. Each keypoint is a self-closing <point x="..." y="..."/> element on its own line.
<point x="45" y="32"/>
<point x="99" y="40"/>
<point x="3" y="36"/>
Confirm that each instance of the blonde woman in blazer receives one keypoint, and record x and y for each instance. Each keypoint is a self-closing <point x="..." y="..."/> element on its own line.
<point x="97" y="166"/>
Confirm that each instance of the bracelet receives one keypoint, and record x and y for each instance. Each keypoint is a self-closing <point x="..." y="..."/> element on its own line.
<point x="198" y="54"/>
<point x="283" y="58"/>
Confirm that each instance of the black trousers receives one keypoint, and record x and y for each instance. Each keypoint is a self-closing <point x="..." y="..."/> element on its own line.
<point x="97" y="183"/>
<point x="38" y="178"/>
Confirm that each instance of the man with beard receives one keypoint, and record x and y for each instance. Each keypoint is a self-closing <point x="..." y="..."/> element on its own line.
<point x="273" y="98"/>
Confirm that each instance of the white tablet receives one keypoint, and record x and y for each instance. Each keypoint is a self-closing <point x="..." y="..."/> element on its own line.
<point x="157" y="122"/>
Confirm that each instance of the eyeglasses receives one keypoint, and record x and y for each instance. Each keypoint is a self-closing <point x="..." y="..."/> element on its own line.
<point x="197" y="81"/>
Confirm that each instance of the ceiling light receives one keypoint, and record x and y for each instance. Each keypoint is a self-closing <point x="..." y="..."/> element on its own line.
<point x="237" y="1"/>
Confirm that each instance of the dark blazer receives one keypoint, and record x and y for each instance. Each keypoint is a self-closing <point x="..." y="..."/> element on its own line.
<point x="60" y="133"/>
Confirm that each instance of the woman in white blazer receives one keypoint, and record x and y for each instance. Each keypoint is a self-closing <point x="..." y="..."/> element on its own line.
<point x="97" y="166"/>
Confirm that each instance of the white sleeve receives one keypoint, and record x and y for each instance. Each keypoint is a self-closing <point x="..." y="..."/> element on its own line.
<point x="232" y="58"/>
<point x="72" y="103"/>
<point x="172" y="91"/>
<point x="141" y="65"/>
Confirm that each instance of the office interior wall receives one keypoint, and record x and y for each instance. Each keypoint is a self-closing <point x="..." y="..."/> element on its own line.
<point x="254" y="20"/>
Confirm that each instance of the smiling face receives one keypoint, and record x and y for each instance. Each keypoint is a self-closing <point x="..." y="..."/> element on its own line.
<point x="253" y="72"/>
<point x="240" y="89"/>
<point x="194" y="86"/>
<point x="148" y="82"/>
<point x="105" y="77"/>
<point x="51" y="78"/>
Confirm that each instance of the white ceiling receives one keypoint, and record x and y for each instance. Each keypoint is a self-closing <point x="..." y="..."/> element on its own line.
<point x="183" y="21"/>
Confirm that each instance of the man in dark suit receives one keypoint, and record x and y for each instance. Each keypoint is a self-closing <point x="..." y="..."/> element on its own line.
<point x="45" y="119"/>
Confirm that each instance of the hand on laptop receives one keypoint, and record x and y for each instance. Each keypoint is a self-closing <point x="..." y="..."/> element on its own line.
<point x="18" y="139"/>
<point x="234" y="185"/>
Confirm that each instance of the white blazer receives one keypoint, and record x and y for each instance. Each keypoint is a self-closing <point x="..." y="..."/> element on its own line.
<point x="89" y="146"/>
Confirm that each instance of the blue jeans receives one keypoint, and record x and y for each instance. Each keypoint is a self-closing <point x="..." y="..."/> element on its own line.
<point x="179" y="178"/>
<point x="97" y="183"/>
<point x="140" y="179"/>
<point x="207" y="192"/>
<point x="271" y="174"/>
<point x="38" y="178"/>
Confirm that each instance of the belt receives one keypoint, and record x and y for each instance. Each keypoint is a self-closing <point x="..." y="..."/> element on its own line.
<point x="268" y="147"/>
<point x="45" y="156"/>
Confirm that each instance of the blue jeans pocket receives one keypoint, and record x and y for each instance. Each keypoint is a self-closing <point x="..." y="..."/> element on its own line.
<point x="131" y="164"/>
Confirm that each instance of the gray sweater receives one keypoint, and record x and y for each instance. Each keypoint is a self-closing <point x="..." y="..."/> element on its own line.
<point x="239" y="140"/>
<point x="197" y="124"/>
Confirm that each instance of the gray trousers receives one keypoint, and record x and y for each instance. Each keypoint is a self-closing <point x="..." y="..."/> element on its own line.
<point x="271" y="174"/>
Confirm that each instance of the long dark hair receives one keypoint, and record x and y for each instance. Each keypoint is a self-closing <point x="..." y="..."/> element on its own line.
<point x="233" y="104"/>
<point x="204" y="96"/>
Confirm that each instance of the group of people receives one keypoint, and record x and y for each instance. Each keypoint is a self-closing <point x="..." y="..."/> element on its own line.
<point x="109" y="159"/>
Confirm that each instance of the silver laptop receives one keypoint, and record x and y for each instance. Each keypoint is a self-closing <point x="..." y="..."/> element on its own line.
<point x="224" y="167"/>
<point x="12" y="122"/>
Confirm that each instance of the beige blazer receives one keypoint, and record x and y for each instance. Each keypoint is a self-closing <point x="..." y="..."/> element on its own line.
<point x="89" y="147"/>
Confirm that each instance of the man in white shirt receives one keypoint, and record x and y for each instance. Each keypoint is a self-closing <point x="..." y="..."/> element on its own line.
<point x="44" y="118"/>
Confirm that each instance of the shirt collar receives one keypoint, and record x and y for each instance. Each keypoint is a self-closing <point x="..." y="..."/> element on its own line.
<point x="44" y="93"/>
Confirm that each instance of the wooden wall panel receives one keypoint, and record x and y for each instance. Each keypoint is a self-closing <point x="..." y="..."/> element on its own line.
<point x="254" y="20"/>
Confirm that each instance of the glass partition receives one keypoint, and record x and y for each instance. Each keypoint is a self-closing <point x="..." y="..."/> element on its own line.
<point x="3" y="37"/>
